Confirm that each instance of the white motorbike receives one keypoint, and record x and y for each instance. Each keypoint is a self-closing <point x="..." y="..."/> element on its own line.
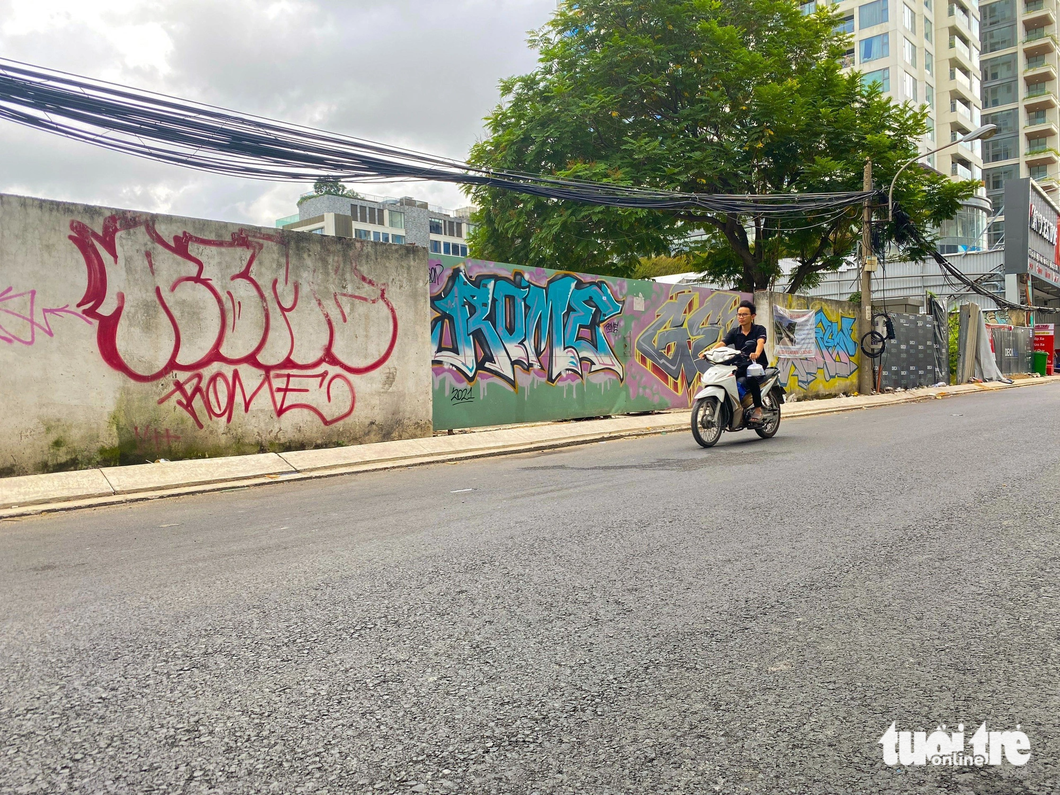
<point x="719" y="407"/>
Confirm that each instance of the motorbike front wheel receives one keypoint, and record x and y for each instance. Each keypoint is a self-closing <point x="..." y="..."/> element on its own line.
<point x="770" y="416"/>
<point x="706" y="421"/>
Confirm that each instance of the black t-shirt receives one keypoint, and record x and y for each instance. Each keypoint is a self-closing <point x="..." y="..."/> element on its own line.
<point x="737" y="339"/>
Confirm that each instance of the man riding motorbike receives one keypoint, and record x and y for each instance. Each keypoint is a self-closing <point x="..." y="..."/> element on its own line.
<point x="750" y="340"/>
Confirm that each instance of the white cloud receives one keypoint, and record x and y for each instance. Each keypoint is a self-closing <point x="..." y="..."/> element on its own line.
<point x="411" y="73"/>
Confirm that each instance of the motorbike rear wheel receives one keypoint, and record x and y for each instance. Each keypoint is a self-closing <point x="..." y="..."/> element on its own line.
<point x="770" y="416"/>
<point x="706" y="421"/>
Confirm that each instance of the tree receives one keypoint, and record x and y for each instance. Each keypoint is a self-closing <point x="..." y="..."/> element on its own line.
<point x="331" y="186"/>
<point x="706" y="96"/>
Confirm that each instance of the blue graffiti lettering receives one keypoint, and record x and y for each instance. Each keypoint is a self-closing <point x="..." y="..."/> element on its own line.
<point x="496" y="323"/>
<point x="836" y="348"/>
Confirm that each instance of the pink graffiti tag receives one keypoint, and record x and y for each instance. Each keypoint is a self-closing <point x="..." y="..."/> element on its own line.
<point x="24" y="318"/>
<point x="179" y="307"/>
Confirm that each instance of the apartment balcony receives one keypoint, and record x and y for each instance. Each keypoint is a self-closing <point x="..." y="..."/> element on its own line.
<point x="1036" y="14"/>
<point x="1039" y="74"/>
<point x="961" y="55"/>
<point x="1041" y="97"/>
<point x="960" y="170"/>
<point x="961" y="91"/>
<point x="961" y="23"/>
<point x="962" y="111"/>
<point x="1041" y="156"/>
<point x="1043" y="130"/>
<point x="1039" y="41"/>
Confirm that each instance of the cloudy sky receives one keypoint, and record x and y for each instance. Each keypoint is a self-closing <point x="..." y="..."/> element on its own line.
<point x="414" y="73"/>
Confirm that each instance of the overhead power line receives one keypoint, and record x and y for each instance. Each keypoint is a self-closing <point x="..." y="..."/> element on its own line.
<point x="906" y="228"/>
<point x="220" y="141"/>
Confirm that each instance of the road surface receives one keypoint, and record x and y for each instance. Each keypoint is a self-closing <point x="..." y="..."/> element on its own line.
<point x="639" y="616"/>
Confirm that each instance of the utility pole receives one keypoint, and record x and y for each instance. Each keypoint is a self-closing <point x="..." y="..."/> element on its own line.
<point x="868" y="265"/>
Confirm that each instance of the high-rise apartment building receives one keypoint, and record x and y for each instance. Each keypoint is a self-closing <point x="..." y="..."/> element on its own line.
<point x="927" y="52"/>
<point x="1020" y="97"/>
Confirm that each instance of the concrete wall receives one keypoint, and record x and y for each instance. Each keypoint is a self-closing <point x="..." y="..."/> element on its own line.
<point x="127" y="337"/>
<point x="829" y="365"/>
<point x="514" y="344"/>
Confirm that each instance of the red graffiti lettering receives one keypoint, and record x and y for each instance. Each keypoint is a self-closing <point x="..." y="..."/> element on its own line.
<point x="330" y="396"/>
<point x="21" y="319"/>
<point x="189" y="304"/>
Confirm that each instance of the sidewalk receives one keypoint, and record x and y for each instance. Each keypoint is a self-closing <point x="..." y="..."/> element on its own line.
<point x="22" y="496"/>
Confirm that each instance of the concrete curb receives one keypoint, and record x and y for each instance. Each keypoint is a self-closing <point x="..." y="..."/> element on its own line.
<point x="34" y="494"/>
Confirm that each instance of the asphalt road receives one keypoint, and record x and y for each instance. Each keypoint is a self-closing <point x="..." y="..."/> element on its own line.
<point x="641" y="616"/>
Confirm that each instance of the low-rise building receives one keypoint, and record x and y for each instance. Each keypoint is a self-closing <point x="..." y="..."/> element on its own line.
<point x="404" y="221"/>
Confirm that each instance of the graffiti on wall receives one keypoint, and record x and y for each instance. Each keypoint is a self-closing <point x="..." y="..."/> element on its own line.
<point x="686" y="325"/>
<point x="835" y="351"/>
<point x="22" y="318"/>
<point x="225" y="331"/>
<point x="499" y="324"/>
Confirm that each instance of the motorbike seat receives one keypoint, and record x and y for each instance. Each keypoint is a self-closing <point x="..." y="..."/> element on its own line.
<point x="769" y="373"/>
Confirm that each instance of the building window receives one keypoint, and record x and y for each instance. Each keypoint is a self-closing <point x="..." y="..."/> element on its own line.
<point x="368" y="215"/>
<point x="1034" y="117"/>
<point x="929" y="63"/>
<point x="808" y="8"/>
<point x="928" y="30"/>
<point x="1037" y="144"/>
<point x="447" y="247"/>
<point x="927" y="4"/>
<point x="875" y="47"/>
<point x="999" y="94"/>
<point x="318" y="231"/>
<point x="436" y="247"/>
<point x="880" y="76"/>
<point x="386" y="237"/>
<point x="909" y="18"/>
<point x="999" y="38"/>
<point x="846" y="24"/>
<point x="872" y="14"/>
<point x="999" y="13"/>
<point x="1000" y="147"/>
<point x="362" y="234"/>
<point x="400" y="239"/>
<point x="995" y="178"/>
<point x="929" y="97"/>
<point x="436" y="227"/>
<point x="376" y="237"/>
<point x="909" y="86"/>
<point x="1038" y="173"/>
<point x="1001" y="68"/>
<point x="1007" y="121"/>
<point x="997" y="233"/>
<point x="910" y="52"/>
<point x="463" y="250"/>
<point x="397" y="220"/>
<point x="451" y="229"/>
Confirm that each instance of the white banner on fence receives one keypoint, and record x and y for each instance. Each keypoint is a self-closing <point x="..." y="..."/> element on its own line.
<point x="796" y="333"/>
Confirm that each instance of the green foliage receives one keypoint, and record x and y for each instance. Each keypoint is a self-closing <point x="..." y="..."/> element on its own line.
<point x="707" y="96"/>
<point x="650" y="267"/>
<point x="331" y="186"/>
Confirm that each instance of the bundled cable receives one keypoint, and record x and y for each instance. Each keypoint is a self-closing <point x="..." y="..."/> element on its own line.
<point x="220" y="141"/>
<point x="905" y="230"/>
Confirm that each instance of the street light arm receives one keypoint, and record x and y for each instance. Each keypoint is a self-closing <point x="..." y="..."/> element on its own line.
<point x="890" y="193"/>
<point x="980" y="133"/>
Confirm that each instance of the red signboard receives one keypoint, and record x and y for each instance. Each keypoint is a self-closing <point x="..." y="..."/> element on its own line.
<point x="1045" y="340"/>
